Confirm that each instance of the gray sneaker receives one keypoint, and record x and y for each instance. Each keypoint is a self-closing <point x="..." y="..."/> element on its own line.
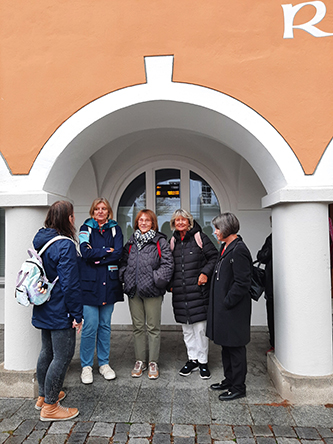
<point x="87" y="375"/>
<point x="138" y="369"/>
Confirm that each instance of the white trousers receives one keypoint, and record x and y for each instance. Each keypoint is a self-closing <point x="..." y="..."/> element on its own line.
<point x="196" y="341"/>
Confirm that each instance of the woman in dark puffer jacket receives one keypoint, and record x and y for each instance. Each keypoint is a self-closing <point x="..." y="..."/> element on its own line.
<point x="194" y="256"/>
<point x="146" y="269"/>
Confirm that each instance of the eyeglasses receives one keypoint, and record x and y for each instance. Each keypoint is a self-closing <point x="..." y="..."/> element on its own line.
<point x="144" y="221"/>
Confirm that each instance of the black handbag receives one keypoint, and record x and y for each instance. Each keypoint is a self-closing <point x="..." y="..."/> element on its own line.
<point x="257" y="282"/>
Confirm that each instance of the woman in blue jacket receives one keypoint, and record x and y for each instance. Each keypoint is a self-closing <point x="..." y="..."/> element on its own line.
<point x="60" y="316"/>
<point x="101" y="244"/>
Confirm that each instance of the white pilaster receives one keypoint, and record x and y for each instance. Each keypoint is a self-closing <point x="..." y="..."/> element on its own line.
<point x="22" y="340"/>
<point x="303" y="314"/>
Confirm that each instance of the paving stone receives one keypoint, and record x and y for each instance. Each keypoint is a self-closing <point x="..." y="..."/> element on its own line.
<point x="266" y="440"/>
<point x="54" y="439"/>
<point x="202" y="429"/>
<point x="183" y="440"/>
<point x="329" y="440"/>
<point x="120" y="437"/>
<point x="138" y="441"/>
<point x="307" y="433"/>
<point x="271" y="415"/>
<point x="83" y="427"/>
<point x="284" y="431"/>
<point x="224" y="442"/>
<point x="9" y="424"/>
<point x="203" y="439"/>
<point x="61" y="427"/>
<point x="35" y="436"/>
<point x="26" y="427"/>
<point x="262" y="430"/>
<point x="311" y="441"/>
<point x="163" y="428"/>
<point x="96" y="440"/>
<point x="325" y="432"/>
<point x="183" y="430"/>
<point x="242" y="432"/>
<point x="161" y="438"/>
<point x="122" y="427"/>
<point x="8" y="406"/>
<point x="77" y="438"/>
<point x="221" y="433"/>
<point x="41" y="425"/>
<point x="285" y="440"/>
<point x="3" y="437"/>
<point x="246" y="440"/>
<point x="312" y="416"/>
<point x="140" y="430"/>
<point x="102" y="429"/>
<point x="18" y="439"/>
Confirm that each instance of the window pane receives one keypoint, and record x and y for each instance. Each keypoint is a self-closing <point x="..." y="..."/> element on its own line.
<point x="167" y="197"/>
<point x="204" y="204"/>
<point x="132" y="201"/>
<point x="2" y="242"/>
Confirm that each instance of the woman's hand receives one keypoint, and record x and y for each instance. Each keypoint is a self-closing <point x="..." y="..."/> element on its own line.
<point x="77" y="326"/>
<point x="110" y="250"/>
<point x="202" y="279"/>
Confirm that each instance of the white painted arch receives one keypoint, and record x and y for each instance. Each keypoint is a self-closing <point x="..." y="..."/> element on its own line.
<point x="161" y="103"/>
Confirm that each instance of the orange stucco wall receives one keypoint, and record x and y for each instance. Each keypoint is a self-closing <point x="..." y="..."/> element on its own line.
<point x="59" y="55"/>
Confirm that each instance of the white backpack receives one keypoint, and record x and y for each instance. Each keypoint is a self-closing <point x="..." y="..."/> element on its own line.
<point x="32" y="285"/>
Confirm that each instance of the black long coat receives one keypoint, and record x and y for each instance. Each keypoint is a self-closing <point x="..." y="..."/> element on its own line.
<point x="229" y="311"/>
<point x="189" y="300"/>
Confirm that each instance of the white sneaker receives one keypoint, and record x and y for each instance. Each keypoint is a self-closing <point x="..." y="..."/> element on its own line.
<point x="87" y="375"/>
<point x="107" y="372"/>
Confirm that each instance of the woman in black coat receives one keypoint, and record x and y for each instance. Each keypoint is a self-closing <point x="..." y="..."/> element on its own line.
<point x="229" y="311"/>
<point x="194" y="256"/>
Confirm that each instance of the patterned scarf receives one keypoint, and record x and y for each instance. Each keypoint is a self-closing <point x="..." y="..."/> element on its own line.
<point x="141" y="239"/>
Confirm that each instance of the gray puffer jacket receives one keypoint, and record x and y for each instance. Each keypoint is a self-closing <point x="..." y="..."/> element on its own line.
<point x="144" y="271"/>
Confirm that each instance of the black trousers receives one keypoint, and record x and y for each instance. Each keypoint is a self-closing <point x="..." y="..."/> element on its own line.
<point x="235" y="367"/>
<point x="270" y="319"/>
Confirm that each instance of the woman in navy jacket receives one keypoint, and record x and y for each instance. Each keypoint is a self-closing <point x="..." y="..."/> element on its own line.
<point x="101" y="244"/>
<point x="61" y="314"/>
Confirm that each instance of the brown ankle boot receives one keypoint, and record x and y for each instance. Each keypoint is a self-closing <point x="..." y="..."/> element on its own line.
<point x="40" y="400"/>
<point x="55" y="412"/>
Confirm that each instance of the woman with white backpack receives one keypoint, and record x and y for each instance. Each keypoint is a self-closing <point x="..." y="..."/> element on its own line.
<point x="60" y="317"/>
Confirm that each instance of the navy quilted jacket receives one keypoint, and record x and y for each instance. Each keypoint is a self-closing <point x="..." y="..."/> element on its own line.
<point x="143" y="270"/>
<point x="60" y="259"/>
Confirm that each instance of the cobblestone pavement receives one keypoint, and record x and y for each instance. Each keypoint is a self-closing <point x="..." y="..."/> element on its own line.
<point x="172" y="409"/>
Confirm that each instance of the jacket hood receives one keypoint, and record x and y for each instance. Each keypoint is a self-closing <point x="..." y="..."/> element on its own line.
<point x="92" y="223"/>
<point x="191" y="232"/>
<point x="43" y="235"/>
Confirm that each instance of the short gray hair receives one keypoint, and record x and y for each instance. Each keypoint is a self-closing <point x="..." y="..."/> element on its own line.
<point x="181" y="213"/>
<point x="227" y="223"/>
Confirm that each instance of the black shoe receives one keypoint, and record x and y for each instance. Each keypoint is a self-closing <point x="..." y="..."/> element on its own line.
<point x="189" y="367"/>
<point x="229" y="396"/>
<point x="204" y="371"/>
<point x="224" y="385"/>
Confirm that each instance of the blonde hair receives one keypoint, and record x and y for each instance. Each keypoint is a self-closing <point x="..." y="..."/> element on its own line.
<point x="98" y="201"/>
<point x="181" y="213"/>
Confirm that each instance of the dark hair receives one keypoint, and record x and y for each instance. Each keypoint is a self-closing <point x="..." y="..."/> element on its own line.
<point x="152" y="217"/>
<point x="98" y="201"/>
<point x="58" y="218"/>
<point x="227" y="223"/>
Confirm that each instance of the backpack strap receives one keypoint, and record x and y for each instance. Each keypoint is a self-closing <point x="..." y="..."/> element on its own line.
<point x="197" y="238"/>
<point x="50" y="242"/>
<point x="158" y="248"/>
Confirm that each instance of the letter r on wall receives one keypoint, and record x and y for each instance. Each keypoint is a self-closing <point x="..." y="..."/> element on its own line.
<point x="290" y="11"/>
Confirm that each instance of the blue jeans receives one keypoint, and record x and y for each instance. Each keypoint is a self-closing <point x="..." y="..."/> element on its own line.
<point x="96" y="331"/>
<point x="58" y="348"/>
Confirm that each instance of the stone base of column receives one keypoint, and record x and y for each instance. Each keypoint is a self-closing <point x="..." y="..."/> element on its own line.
<point x="14" y="384"/>
<point x="299" y="389"/>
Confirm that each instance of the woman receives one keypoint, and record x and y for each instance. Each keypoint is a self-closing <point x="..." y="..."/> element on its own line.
<point x="61" y="315"/>
<point x="230" y="306"/>
<point x="194" y="257"/>
<point x="146" y="269"/>
<point x="101" y="244"/>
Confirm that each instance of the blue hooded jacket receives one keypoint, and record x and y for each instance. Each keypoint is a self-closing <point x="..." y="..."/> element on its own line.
<point x="99" y="267"/>
<point x="65" y="304"/>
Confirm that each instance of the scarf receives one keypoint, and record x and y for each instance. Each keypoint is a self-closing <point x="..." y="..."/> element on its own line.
<point x="141" y="239"/>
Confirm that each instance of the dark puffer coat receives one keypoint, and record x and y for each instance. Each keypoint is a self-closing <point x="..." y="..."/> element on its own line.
<point x="189" y="300"/>
<point x="143" y="270"/>
<point x="229" y="313"/>
<point x="99" y="268"/>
